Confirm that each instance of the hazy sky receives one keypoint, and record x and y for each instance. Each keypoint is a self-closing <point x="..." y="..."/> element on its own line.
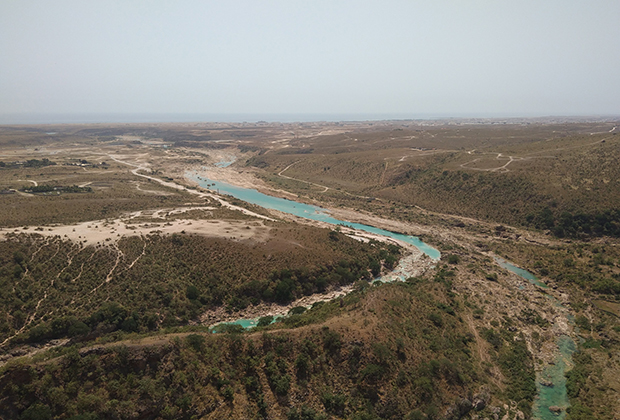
<point x="518" y="57"/>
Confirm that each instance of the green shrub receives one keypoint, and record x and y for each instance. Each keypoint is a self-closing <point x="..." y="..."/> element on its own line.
<point x="372" y="373"/>
<point x="79" y="328"/>
<point x="282" y="384"/>
<point x="229" y="329"/>
<point x="37" y="411"/>
<point x="297" y="310"/>
<point x="304" y="413"/>
<point x="578" y="411"/>
<point x="492" y="337"/>
<point x="334" y="403"/>
<point x="196" y="342"/>
<point x="491" y="276"/>
<point x="415" y="415"/>
<point x="331" y="340"/>
<point x="228" y="393"/>
<point x="424" y="387"/>
<point x="192" y="292"/>
<point x="264" y="321"/>
<point x="302" y="365"/>
<point x="39" y="332"/>
<point x="436" y="319"/>
<point x="453" y="259"/>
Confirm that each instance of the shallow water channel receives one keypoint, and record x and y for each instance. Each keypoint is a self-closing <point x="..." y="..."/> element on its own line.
<point x="555" y="394"/>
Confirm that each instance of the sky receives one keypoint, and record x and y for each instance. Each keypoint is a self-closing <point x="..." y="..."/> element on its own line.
<point x="389" y="57"/>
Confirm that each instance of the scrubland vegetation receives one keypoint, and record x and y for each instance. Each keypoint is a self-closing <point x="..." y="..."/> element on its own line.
<point x="112" y="330"/>
<point x="397" y="351"/>
<point x="559" y="181"/>
<point x="142" y="283"/>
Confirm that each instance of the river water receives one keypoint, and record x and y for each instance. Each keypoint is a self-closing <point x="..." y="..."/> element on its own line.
<point x="313" y="213"/>
<point x="555" y="395"/>
<point x="306" y="211"/>
<point x="547" y="395"/>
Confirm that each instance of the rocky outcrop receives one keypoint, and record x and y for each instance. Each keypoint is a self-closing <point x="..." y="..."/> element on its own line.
<point x="464" y="405"/>
<point x="546" y="383"/>
<point x="458" y="410"/>
<point x="481" y="399"/>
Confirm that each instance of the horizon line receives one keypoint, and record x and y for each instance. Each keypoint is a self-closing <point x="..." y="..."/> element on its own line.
<point x="26" y="118"/>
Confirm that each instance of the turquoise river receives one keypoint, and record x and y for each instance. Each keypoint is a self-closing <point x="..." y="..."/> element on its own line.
<point x="553" y="392"/>
<point x="306" y="211"/>
<point x="547" y="395"/>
